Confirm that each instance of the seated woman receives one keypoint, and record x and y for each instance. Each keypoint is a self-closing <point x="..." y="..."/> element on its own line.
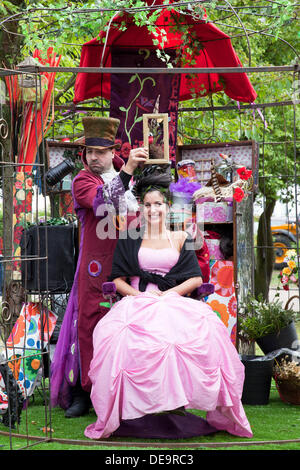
<point x="158" y="352"/>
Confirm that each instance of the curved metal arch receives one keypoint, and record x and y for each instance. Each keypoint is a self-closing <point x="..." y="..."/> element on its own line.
<point x="262" y="31"/>
<point x="242" y="24"/>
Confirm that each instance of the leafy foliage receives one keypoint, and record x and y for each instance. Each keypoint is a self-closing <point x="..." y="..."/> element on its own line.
<point x="66" y="26"/>
<point x="262" y="33"/>
<point x="7" y="8"/>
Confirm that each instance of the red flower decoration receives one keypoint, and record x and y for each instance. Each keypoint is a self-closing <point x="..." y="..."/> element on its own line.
<point x="238" y="194"/>
<point x="232" y="306"/>
<point x="243" y="173"/>
<point x="18" y="185"/>
<point x="18" y="210"/>
<point x="222" y="277"/>
<point x="233" y="334"/>
<point x="18" y="230"/>
<point x="125" y="149"/>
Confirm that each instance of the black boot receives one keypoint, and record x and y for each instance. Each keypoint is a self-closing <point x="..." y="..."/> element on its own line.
<point x="81" y="403"/>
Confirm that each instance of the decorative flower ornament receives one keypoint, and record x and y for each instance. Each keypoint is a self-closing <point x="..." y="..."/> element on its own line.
<point x="289" y="274"/>
<point x="238" y="190"/>
<point x="243" y="173"/>
<point x="185" y="186"/>
<point x="238" y="194"/>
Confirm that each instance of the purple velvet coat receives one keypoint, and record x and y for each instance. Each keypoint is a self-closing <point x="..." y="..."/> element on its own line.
<point x="74" y="349"/>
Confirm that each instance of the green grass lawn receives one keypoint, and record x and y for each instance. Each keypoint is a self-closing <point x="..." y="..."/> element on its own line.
<point x="272" y="422"/>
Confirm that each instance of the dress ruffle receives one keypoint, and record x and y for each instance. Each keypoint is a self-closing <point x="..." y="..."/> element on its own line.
<point x="158" y="353"/>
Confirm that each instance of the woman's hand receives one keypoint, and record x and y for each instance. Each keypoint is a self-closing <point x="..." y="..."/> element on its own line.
<point x="124" y="288"/>
<point x="186" y="287"/>
<point x="170" y="290"/>
<point x="156" y="292"/>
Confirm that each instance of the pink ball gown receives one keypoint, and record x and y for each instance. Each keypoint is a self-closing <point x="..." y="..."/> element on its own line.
<point x="157" y="353"/>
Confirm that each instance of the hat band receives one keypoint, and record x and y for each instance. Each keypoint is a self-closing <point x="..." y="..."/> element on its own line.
<point x="98" y="142"/>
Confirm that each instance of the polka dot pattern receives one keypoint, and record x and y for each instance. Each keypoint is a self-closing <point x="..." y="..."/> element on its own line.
<point x="24" y="345"/>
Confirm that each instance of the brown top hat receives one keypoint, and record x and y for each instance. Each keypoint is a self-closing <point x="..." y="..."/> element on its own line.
<point x="100" y="132"/>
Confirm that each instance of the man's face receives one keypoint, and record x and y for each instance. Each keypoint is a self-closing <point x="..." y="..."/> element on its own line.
<point x="99" y="161"/>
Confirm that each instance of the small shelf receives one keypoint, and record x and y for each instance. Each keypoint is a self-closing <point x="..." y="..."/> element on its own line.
<point x="218" y="223"/>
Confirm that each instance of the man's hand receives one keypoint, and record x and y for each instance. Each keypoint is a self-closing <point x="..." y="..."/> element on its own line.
<point x="136" y="157"/>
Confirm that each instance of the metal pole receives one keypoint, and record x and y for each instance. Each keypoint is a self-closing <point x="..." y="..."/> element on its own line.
<point x="159" y="70"/>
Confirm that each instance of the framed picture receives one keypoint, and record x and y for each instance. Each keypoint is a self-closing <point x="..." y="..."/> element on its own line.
<point x="56" y="153"/>
<point x="156" y="138"/>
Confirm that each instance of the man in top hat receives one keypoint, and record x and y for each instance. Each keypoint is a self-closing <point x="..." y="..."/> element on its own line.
<point x="97" y="190"/>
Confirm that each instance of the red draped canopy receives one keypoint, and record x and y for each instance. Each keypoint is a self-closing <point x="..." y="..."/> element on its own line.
<point x="215" y="50"/>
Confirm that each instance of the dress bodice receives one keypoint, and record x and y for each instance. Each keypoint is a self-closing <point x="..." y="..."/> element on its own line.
<point x="158" y="261"/>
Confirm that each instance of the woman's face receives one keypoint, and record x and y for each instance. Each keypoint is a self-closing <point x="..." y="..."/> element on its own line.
<point x="155" y="208"/>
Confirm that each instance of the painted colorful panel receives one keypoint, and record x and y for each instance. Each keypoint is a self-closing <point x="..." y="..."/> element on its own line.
<point x="224" y="301"/>
<point x="30" y="335"/>
<point x="214" y="212"/>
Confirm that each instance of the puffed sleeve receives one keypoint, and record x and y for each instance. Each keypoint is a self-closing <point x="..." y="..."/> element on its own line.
<point x="90" y="193"/>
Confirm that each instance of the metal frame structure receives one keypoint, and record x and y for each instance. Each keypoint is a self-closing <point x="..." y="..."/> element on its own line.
<point x="9" y="165"/>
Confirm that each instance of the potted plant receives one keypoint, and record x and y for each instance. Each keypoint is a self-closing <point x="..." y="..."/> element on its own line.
<point x="287" y="379"/>
<point x="270" y="324"/>
<point x="272" y="327"/>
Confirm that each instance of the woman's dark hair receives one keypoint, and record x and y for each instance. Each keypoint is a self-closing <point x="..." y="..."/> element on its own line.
<point x="153" y="178"/>
<point x="163" y="191"/>
<point x="226" y="247"/>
